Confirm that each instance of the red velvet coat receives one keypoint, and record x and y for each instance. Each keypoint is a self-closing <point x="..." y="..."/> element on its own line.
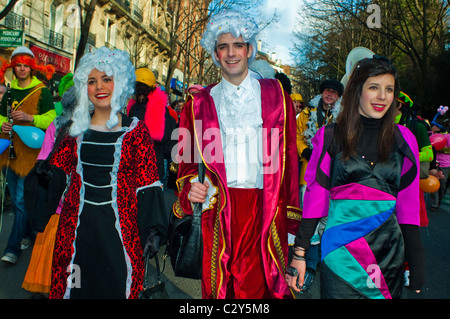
<point x="280" y="191"/>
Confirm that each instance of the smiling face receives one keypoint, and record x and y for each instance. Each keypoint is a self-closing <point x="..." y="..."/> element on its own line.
<point x="100" y="88"/>
<point x="377" y="95"/>
<point x="330" y="96"/>
<point x="233" y="54"/>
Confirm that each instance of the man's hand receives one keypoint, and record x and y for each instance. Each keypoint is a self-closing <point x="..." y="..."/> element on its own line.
<point x="198" y="192"/>
<point x="6" y="127"/>
<point x="21" y="116"/>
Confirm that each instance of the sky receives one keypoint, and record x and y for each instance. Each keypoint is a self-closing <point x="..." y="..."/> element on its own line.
<point x="277" y="37"/>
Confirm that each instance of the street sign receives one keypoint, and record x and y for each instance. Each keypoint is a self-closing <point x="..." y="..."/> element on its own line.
<point x="11" y="38"/>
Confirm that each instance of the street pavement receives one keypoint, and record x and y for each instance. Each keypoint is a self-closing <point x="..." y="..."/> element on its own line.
<point x="436" y="239"/>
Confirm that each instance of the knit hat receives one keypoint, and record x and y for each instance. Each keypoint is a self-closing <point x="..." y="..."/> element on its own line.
<point x="145" y="76"/>
<point x="405" y="99"/>
<point x="332" y="84"/>
<point x="25" y="55"/>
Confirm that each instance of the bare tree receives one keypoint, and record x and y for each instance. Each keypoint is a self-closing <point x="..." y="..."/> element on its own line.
<point x="409" y="33"/>
<point x="85" y="25"/>
<point x="8" y="8"/>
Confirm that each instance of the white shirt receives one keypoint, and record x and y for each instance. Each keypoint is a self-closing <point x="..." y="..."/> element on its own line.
<point x="239" y="112"/>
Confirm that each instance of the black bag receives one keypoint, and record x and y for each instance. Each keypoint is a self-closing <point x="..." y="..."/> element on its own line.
<point x="158" y="290"/>
<point x="185" y="246"/>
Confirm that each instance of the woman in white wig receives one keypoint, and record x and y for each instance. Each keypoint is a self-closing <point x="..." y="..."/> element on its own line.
<point x="109" y="219"/>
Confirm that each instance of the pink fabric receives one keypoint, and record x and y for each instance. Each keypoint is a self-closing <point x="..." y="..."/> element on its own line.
<point x="316" y="202"/>
<point x="442" y="158"/>
<point x="408" y="199"/>
<point x="49" y="141"/>
<point x="155" y="114"/>
<point x="47" y="147"/>
<point x="355" y="191"/>
<point x="363" y="254"/>
<point x="317" y="198"/>
<point x="280" y="189"/>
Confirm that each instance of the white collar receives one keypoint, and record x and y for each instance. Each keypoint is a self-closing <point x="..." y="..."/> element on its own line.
<point x="230" y="88"/>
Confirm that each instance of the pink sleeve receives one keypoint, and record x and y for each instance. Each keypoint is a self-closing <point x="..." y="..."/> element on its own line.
<point x="49" y="141"/>
<point x="317" y="197"/>
<point x="408" y="198"/>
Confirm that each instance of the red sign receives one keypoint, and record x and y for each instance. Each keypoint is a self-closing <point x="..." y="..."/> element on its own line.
<point x="61" y="63"/>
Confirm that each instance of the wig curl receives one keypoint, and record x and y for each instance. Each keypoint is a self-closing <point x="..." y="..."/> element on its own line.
<point x="233" y="22"/>
<point x="46" y="70"/>
<point x="115" y="63"/>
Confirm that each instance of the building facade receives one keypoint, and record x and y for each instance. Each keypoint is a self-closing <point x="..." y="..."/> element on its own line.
<point x="52" y="28"/>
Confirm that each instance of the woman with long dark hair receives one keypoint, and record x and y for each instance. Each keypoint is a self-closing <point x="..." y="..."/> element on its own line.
<point x="363" y="175"/>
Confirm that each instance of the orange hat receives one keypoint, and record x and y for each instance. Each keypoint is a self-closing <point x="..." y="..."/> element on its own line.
<point x="25" y="56"/>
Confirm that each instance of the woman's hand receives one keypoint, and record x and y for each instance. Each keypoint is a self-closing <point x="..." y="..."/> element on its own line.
<point x="295" y="274"/>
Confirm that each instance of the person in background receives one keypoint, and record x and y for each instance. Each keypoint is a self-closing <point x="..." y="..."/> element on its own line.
<point x="32" y="105"/>
<point x="150" y="105"/>
<point x="364" y="175"/>
<point x="406" y="115"/>
<point x="299" y="105"/>
<point x="439" y="126"/>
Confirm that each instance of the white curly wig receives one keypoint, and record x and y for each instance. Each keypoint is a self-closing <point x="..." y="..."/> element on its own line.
<point x="115" y="63"/>
<point x="233" y="22"/>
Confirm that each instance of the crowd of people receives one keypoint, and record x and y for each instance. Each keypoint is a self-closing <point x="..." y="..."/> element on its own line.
<point x="340" y="182"/>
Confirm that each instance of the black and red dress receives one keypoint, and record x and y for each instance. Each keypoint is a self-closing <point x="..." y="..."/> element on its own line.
<point x="109" y="208"/>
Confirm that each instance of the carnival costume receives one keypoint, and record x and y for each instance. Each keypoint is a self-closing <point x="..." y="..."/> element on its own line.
<point x="367" y="202"/>
<point x="35" y="100"/>
<point x="278" y="205"/>
<point x="251" y="201"/>
<point x="112" y="200"/>
<point x="38" y="277"/>
<point x="409" y="118"/>
<point x="153" y="110"/>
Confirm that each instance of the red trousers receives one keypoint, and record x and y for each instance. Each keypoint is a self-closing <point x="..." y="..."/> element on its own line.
<point x="247" y="279"/>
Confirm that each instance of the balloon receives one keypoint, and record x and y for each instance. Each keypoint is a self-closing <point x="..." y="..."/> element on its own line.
<point x="430" y="184"/>
<point x="33" y="137"/>
<point x="438" y="141"/>
<point x="4" y="143"/>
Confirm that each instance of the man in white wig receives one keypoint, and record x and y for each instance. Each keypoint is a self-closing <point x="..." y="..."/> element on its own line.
<point x="244" y="131"/>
